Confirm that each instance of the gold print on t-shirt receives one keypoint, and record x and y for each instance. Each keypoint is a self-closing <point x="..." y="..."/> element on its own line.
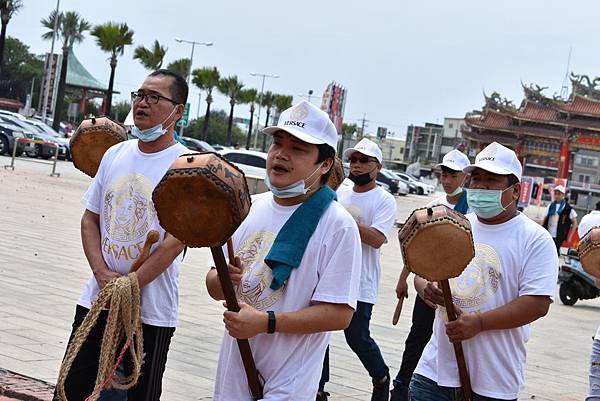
<point x="480" y="279"/>
<point x="254" y="288"/>
<point x="128" y="209"/>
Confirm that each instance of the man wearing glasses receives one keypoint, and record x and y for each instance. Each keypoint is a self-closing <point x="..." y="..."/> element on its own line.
<point x="119" y="214"/>
<point x="374" y="211"/>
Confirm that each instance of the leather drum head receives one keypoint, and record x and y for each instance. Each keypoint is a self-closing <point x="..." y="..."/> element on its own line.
<point x="437" y="243"/>
<point x="337" y="174"/>
<point x="589" y="252"/>
<point x="202" y="199"/>
<point x="91" y="140"/>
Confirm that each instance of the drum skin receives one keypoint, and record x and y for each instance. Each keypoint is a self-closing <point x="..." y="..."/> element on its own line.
<point x="337" y="174"/>
<point x="202" y="199"/>
<point x="589" y="252"/>
<point x="436" y="243"/>
<point x="91" y="140"/>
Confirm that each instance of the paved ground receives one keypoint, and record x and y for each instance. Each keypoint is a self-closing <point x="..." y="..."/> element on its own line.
<point x="43" y="269"/>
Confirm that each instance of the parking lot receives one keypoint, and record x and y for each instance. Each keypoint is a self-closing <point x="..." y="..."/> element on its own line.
<point x="43" y="270"/>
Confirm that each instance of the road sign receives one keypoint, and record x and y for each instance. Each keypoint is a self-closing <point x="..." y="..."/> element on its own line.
<point x="183" y="122"/>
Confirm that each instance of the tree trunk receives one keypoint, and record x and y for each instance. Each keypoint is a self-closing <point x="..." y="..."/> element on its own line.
<point x="250" y="128"/>
<point x="206" y="117"/>
<point x="111" y="83"/>
<point x="230" y="125"/>
<point x="60" y="93"/>
<point x="2" y="41"/>
<point x="264" y="143"/>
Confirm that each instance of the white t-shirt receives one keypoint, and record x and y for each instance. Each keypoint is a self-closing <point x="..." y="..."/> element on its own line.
<point x="121" y="194"/>
<point x="553" y="220"/>
<point x="512" y="259"/>
<point x="589" y="221"/>
<point x="375" y="208"/>
<point x="291" y="364"/>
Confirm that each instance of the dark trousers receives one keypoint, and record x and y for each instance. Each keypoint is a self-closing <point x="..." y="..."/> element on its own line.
<point x="558" y="242"/>
<point x="358" y="337"/>
<point x="82" y="376"/>
<point x="418" y="337"/>
<point x="424" y="389"/>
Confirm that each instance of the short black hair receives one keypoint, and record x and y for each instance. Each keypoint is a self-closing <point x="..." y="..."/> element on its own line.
<point x="179" y="87"/>
<point x="598" y="205"/>
<point x="512" y="180"/>
<point x="449" y="170"/>
<point x="325" y="152"/>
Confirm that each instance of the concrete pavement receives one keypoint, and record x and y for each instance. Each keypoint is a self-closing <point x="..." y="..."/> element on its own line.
<point x="43" y="270"/>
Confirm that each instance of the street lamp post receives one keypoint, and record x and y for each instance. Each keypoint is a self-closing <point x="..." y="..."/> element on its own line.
<point x="189" y="73"/>
<point x="50" y="59"/>
<point x="262" y="87"/>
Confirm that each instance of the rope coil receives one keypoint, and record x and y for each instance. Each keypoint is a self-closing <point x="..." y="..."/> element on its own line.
<point x="122" y="297"/>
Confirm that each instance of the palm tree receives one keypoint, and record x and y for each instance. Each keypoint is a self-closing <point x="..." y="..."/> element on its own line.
<point x="151" y="59"/>
<point x="282" y="102"/>
<point x="249" y="96"/>
<point x="207" y="79"/>
<point x="112" y="37"/>
<point x="230" y="87"/>
<point x="267" y="100"/>
<point x="180" y="67"/>
<point x="7" y="9"/>
<point x="71" y="27"/>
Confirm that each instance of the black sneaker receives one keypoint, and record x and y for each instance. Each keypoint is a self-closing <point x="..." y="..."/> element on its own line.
<point x="381" y="390"/>
<point x="322" y="395"/>
<point x="399" y="393"/>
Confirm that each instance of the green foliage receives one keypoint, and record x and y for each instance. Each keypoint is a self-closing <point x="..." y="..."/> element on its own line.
<point x="181" y="67"/>
<point x="151" y="59"/>
<point x="283" y="102"/>
<point x="112" y="37"/>
<point x="8" y="8"/>
<point x="247" y="96"/>
<point x="71" y="27"/>
<point x="207" y="79"/>
<point x="22" y="66"/>
<point x="120" y="110"/>
<point x="217" y="129"/>
<point x="230" y="87"/>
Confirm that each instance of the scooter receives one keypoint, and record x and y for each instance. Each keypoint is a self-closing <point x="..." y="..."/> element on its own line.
<point x="575" y="283"/>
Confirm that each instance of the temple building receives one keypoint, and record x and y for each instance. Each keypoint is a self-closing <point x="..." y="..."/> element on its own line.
<point x="553" y="136"/>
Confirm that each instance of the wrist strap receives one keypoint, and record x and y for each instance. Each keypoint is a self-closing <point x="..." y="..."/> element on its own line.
<point x="271" y="322"/>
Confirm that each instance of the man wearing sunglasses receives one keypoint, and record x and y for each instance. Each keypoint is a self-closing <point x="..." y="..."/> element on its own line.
<point x="374" y="211"/>
<point x="119" y="214"/>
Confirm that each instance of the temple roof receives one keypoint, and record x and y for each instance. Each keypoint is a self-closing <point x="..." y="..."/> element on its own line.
<point x="79" y="76"/>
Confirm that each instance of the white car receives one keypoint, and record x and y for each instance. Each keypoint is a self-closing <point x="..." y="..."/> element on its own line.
<point x="251" y="162"/>
<point x="422" y="188"/>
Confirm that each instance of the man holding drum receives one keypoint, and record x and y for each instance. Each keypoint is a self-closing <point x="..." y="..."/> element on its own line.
<point x="296" y="269"/>
<point x="452" y="179"/>
<point x="119" y="213"/>
<point x="509" y="284"/>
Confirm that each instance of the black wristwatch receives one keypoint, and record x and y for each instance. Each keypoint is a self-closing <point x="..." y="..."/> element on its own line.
<point x="271" y="323"/>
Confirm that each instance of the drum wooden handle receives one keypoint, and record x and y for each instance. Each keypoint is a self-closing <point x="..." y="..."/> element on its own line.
<point x="465" y="381"/>
<point x="397" y="311"/>
<point x="232" y="304"/>
<point x="152" y="237"/>
<point x="230" y="253"/>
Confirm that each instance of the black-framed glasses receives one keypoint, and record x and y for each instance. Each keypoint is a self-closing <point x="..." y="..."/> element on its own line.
<point x="151" y="98"/>
<point x="361" y="159"/>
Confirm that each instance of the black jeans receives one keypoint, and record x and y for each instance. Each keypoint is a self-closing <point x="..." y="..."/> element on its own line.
<point x="418" y="337"/>
<point x="80" y="381"/>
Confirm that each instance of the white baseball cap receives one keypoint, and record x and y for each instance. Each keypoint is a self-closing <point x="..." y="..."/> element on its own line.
<point x="308" y="123"/>
<point x="367" y="147"/>
<point x="455" y="160"/>
<point x="589" y="221"/>
<point x="497" y="159"/>
<point x="561" y="189"/>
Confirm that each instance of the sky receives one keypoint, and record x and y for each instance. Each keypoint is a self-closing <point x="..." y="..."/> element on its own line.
<point x="402" y="62"/>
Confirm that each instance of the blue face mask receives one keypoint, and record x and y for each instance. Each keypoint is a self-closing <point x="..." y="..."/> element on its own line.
<point x="152" y="134"/>
<point x="486" y="203"/>
<point x="290" y="191"/>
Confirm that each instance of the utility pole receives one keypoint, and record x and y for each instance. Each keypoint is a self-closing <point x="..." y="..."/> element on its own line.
<point x="262" y="88"/>
<point x="362" y="128"/>
<point x="49" y="66"/>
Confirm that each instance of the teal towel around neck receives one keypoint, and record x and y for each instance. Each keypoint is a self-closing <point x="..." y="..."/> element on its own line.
<point x="288" y="249"/>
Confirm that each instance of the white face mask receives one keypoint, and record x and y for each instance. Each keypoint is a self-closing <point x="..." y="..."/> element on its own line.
<point x="292" y="190"/>
<point x="152" y="134"/>
<point x="457" y="191"/>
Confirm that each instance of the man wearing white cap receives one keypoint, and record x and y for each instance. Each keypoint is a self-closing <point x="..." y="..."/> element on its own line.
<point x="297" y="266"/>
<point x="561" y="219"/>
<point x="453" y="179"/>
<point x="374" y="210"/>
<point x="509" y="284"/>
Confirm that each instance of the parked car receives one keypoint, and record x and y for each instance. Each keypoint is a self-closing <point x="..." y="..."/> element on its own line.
<point x="422" y="188"/>
<point x="387" y="177"/>
<point x="251" y="162"/>
<point x="197" y="145"/>
<point x="9" y="134"/>
<point x="45" y="146"/>
<point x="48" y="130"/>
